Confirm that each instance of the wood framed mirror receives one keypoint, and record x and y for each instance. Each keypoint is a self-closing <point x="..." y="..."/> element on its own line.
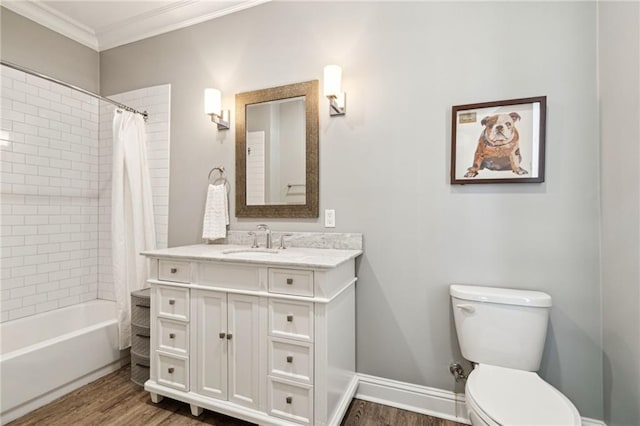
<point x="277" y="152"/>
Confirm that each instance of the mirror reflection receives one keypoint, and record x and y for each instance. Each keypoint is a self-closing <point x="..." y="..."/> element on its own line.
<point x="275" y="152"/>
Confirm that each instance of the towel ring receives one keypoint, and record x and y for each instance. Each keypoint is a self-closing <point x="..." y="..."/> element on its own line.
<point x="219" y="179"/>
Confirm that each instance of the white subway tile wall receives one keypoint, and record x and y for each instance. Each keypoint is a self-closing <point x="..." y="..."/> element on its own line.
<point x="156" y="101"/>
<point x="49" y="219"/>
<point x="54" y="177"/>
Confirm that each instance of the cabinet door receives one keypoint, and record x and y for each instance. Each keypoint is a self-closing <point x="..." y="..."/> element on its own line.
<point x="244" y="350"/>
<point x="211" y="334"/>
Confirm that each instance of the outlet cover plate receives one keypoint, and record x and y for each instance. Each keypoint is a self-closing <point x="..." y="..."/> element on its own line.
<point x="329" y="218"/>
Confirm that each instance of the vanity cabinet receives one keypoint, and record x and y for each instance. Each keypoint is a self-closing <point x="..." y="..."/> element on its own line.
<point x="271" y="342"/>
<point x="227" y="347"/>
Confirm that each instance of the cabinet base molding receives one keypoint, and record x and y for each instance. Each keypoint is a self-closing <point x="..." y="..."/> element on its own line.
<point x="343" y="404"/>
<point x="198" y="403"/>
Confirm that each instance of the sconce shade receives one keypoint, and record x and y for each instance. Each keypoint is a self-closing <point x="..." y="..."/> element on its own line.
<point x="212" y="101"/>
<point x="213" y="107"/>
<point x="332" y="80"/>
<point x="333" y="90"/>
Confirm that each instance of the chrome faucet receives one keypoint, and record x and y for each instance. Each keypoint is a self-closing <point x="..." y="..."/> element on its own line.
<point x="282" y="245"/>
<point x="255" y="239"/>
<point x="265" y="228"/>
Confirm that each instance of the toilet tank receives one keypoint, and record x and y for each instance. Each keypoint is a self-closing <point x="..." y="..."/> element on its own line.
<point x="500" y="326"/>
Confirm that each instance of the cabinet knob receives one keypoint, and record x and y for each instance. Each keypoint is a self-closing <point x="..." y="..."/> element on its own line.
<point x="289" y="359"/>
<point x="289" y="281"/>
<point x="172" y="335"/>
<point x="174" y="270"/>
<point x="222" y="334"/>
<point x="172" y="301"/>
<point x="229" y="336"/>
<point x="170" y="370"/>
<point x="289" y="318"/>
<point x="289" y="399"/>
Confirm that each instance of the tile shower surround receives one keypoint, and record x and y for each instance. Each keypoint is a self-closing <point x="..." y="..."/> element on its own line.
<point x="54" y="151"/>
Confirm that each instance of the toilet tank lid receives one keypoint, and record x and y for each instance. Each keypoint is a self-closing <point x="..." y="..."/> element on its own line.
<point x="505" y="296"/>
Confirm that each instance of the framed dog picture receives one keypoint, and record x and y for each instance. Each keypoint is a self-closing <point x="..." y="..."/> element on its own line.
<point x="498" y="142"/>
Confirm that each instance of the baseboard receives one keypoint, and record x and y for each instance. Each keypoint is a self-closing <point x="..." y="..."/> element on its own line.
<point x="422" y="399"/>
<point x="592" y="422"/>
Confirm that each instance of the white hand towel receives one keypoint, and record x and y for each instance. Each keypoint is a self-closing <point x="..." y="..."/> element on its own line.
<point x="216" y="213"/>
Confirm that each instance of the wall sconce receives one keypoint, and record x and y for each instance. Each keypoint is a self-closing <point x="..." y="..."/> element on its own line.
<point x="213" y="107"/>
<point x="333" y="90"/>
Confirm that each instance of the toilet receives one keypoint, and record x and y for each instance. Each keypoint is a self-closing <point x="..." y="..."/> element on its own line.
<point x="502" y="332"/>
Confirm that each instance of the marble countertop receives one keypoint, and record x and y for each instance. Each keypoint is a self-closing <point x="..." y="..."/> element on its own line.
<point x="292" y="257"/>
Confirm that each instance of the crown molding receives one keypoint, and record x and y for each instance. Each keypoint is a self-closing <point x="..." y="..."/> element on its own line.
<point x="174" y="16"/>
<point x="54" y="20"/>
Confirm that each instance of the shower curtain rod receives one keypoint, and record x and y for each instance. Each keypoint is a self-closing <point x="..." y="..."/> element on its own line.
<point x="71" y="86"/>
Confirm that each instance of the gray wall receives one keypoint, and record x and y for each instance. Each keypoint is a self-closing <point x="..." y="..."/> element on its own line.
<point x="31" y="45"/>
<point x="619" y="66"/>
<point x="384" y="166"/>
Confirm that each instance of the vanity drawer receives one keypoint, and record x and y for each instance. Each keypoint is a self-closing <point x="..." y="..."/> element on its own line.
<point x="173" y="302"/>
<point x="290" y="401"/>
<point x="240" y="277"/>
<point x="291" y="319"/>
<point x="173" y="371"/>
<point x="173" y="336"/>
<point x="178" y="272"/>
<point x="289" y="360"/>
<point x="291" y="281"/>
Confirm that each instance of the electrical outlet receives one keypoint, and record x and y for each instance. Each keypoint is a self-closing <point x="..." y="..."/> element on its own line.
<point x="329" y="218"/>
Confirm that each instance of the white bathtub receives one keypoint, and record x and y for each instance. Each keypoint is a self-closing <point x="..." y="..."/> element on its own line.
<point x="48" y="355"/>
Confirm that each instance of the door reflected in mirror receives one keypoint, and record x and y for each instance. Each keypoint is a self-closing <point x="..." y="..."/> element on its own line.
<point x="276" y="146"/>
<point x="277" y="152"/>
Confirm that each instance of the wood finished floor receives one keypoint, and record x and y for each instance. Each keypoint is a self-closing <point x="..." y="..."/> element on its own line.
<point x="115" y="400"/>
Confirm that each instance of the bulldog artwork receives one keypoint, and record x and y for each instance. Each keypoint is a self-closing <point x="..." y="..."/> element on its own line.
<point x="498" y="147"/>
<point x="498" y="141"/>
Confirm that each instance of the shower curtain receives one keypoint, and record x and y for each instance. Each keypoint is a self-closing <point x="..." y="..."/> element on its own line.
<point x="132" y="222"/>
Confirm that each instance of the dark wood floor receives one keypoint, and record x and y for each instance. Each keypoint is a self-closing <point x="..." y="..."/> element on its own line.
<point x="115" y="400"/>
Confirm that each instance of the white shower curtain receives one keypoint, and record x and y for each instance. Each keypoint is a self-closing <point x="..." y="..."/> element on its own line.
<point x="132" y="222"/>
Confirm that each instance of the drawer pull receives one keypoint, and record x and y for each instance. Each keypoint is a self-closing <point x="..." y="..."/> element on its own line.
<point x="143" y="336"/>
<point x="174" y="270"/>
<point x="170" y="370"/>
<point x="222" y="334"/>
<point x="289" y="359"/>
<point x="289" y="318"/>
<point x="289" y="281"/>
<point x="289" y="399"/>
<point x="142" y="365"/>
<point x="172" y="301"/>
<point x="229" y="336"/>
<point x="172" y="335"/>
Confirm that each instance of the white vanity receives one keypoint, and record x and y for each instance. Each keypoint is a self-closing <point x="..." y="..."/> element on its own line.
<point x="267" y="337"/>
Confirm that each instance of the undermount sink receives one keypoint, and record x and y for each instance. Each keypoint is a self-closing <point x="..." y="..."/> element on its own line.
<point x="250" y="251"/>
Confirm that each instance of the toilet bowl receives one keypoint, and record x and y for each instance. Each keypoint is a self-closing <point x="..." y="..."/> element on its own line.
<point x="502" y="331"/>
<point x="499" y="396"/>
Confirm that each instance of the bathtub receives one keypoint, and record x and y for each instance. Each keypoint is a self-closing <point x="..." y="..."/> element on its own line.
<point x="45" y="356"/>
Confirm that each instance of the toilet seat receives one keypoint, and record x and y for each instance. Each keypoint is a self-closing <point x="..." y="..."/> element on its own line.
<point x="508" y="397"/>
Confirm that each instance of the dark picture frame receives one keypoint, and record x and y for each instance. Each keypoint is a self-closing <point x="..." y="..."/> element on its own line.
<point x="499" y="141"/>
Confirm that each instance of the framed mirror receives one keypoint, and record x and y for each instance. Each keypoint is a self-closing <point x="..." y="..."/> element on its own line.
<point x="277" y="152"/>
